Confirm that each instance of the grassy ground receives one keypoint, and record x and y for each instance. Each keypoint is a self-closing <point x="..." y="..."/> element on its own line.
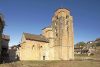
<point x="52" y="64"/>
<point x="78" y="63"/>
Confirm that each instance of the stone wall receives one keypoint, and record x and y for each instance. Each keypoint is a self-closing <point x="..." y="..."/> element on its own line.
<point x="33" y="50"/>
<point x="62" y="24"/>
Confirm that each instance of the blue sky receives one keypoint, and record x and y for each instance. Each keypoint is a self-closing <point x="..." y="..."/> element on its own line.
<point x="33" y="15"/>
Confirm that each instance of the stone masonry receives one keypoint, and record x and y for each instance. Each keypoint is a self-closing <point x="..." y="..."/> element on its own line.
<point x="55" y="43"/>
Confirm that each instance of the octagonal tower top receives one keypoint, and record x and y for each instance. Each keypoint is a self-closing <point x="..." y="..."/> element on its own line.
<point x="61" y="12"/>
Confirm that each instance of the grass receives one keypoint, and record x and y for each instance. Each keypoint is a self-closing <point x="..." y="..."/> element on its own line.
<point x="75" y="63"/>
<point x="52" y="64"/>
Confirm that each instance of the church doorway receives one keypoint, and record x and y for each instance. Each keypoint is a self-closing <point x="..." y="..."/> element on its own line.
<point x="43" y="57"/>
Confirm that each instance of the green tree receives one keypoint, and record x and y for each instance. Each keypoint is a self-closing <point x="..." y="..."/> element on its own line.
<point x="80" y="44"/>
<point x="1" y="31"/>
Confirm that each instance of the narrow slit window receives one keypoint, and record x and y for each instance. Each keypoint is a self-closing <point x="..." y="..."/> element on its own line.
<point x="33" y="47"/>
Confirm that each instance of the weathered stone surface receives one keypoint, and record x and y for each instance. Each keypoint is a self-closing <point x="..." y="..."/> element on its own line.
<point x="62" y="26"/>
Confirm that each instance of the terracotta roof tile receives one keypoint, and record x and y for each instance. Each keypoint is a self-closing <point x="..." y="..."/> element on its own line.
<point x="41" y="38"/>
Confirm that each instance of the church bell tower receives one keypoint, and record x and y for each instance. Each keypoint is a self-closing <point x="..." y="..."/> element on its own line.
<point x="62" y="27"/>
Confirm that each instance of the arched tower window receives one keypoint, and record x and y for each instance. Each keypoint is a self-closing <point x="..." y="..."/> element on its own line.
<point x="67" y="28"/>
<point x="41" y="46"/>
<point x="56" y="34"/>
<point x="67" y="24"/>
<point x="67" y="17"/>
<point x="57" y="17"/>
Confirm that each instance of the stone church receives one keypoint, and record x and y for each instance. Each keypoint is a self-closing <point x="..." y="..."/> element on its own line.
<point x="55" y="43"/>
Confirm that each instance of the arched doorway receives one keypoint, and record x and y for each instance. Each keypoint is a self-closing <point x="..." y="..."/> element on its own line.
<point x="43" y="57"/>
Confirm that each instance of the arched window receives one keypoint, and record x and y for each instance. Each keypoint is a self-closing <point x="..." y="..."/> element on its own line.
<point x="67" y="28"/>
<point x="56" y="34"/>
<point x="57" y="17"/>
<point x="33" y="47"/>
<point x="41" y="46"/>
<point x="67" y="17"/>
